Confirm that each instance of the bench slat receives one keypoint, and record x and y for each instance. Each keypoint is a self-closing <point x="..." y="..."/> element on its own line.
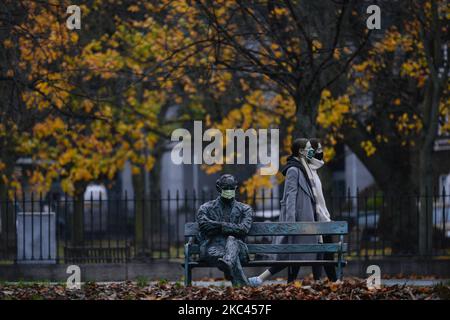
<point x="284" y="228"/>
<point x="286" y="248"/>
<point x="264" y="263"/>
<point x="295" y="248"/>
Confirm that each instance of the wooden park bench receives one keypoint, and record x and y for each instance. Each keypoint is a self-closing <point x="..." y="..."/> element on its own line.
<point x="277" y="229"/>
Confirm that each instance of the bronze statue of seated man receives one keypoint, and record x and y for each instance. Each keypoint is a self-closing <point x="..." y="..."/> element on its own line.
<point x="224" y="224"/>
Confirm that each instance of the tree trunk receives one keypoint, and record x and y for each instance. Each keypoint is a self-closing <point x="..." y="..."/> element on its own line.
<point x="140" y="216"/>
<point x="431" y="106"/>
<point x="8" y="223"/>
<point x="78" y="214"/>
<point x="155" y="176"/>
<point x="305" y="126"/>
<point x="398" y="216"/>
<point x="393" y="172"/>
<point x="426" y="202"/>
<point x="154" y="218"/>
<point x="433" y="43"/>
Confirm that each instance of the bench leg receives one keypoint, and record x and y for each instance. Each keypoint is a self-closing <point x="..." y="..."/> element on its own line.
<point x="339" y="267"/>
<point x="339" y="270"/>
<point x="187" y="276"/>
<point x="340" y="258"/>
<point x="187" y="268"/>
<point x="289" y="274"/>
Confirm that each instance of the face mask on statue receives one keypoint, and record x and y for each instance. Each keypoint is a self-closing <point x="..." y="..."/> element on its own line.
<point x="228" y="194"/>
<point x="226" y="185"/>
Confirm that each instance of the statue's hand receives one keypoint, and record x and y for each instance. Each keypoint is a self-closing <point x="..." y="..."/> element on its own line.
<point x="216" y="223"/>
<point x="211" y="226"/>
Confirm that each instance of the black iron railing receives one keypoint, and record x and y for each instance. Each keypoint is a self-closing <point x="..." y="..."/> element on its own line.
<point x="59" y="229"/>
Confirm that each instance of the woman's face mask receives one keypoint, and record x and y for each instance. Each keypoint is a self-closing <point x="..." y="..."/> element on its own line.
<point x="319" y="155"/>
<point x="308" y="152"/>
<point x="319" y="152"/>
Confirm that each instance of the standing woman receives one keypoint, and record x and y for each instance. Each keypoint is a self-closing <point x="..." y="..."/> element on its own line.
<point x="297" y="205"/>
<point x="322" y="214"/>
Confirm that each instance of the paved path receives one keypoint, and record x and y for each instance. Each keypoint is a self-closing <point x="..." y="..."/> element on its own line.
<point x="385" y="282"/>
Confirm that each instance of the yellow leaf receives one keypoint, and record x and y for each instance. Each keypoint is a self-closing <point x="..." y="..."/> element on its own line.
<point x="135" y="170"/>
<point x="333" y="287"/>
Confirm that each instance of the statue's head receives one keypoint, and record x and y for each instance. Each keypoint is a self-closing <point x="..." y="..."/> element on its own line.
<point x="226" y="185"/>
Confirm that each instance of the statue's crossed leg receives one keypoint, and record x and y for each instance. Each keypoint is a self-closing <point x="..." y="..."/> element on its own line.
<point x="228" y="259"/>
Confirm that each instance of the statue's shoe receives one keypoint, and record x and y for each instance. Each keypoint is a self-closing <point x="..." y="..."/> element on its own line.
<point x="225" y="267"/>
<point x="255" y="281"/>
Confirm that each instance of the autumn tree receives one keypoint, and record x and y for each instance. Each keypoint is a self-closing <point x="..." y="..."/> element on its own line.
<point x="102" y="94"/>
<point x="285" y="51"/>
<point x="82" y="104"/>
<point x="307" y="50"/>
<point x="26" y="50"/>
<point x="394" y="103"/>
<point x="302" y="47"/>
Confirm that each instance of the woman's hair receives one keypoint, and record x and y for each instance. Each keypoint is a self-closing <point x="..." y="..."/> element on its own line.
<point x="297" y="145"/>
<point x="314" y="143"/>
